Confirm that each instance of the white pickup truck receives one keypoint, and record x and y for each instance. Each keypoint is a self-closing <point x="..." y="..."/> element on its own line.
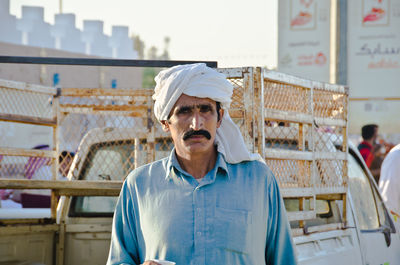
<point x="370" y="237"/>
<point x="360" y="232"/>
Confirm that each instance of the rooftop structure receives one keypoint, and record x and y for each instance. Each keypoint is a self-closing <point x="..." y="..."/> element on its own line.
<point x="32" y="30"/>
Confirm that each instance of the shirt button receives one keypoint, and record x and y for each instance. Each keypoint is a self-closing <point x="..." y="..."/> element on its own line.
<point x="198" y="233"/>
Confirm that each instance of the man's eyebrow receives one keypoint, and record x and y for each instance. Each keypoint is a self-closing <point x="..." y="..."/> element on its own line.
<point x="205" y="106"/>
<point x="182" y="108"/>
<point x="191" y="107"/>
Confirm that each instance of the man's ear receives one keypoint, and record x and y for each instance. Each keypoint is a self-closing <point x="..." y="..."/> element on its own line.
<point x="221" y="115"/>
<point x="165" y="126"/>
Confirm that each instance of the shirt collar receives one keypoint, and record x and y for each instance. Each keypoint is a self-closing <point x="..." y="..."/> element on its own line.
<point x="367" y="143"/>
<point x="172" y="162"/>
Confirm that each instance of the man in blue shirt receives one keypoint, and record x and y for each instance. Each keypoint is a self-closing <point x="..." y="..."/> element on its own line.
<point x="210" y="201"/>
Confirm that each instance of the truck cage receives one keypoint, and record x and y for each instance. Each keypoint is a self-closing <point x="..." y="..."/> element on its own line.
<point x="291" y="122"/>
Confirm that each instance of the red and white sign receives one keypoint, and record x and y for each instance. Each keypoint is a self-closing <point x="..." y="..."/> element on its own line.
<point x="302" y="14"/>
<point x="375" y="12"/>
<point x="304" y="31"/>
<point x="374" y="48"/>
<point x="373" y="68"/>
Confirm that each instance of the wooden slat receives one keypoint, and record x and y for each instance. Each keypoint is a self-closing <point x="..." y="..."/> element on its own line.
<point x="274" y="153"/>
<point x="301" y="215"/>
<point x="99" y="107"/>
<point x="300" y="82"/>
<point x="330" y="122"/>
<point x="331" y="190"/>
<point x="81" y="228"/>
<point x="336" y="196"/>
<point x="231" y="73"/>
<point x="271" y="114"/>
<point x="28" y="119"/>
<point x="93" y="92"/>
<point x="27" y="152"/>
<point x="301" y="209"/>
<point x="26" y="229"/>
<point x="336" y="230"/>
<point x="330" y="155"/>
<point x="334" y="88"/>
<point x="273" y="76"/>
<point x="79" y="187"/>
<point x="8" y="84"/>
<point x="87" y="192"/>
<point x="324" y="228"/>
<point x="79" y="110"/>
<point x="297" y="192"/>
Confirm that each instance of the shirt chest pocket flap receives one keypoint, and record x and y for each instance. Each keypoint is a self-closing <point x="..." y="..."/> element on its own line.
<point x="232" y="229"/>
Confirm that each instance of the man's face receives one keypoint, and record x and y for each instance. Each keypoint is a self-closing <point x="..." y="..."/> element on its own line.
<point x="375" y="137"/>
<point x="193" y="124"/>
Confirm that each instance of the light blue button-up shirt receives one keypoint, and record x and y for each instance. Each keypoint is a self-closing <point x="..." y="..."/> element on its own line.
<point x="235" y="215"/>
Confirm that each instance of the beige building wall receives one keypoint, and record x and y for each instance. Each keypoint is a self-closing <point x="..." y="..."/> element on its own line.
<point x="69" y="76"/>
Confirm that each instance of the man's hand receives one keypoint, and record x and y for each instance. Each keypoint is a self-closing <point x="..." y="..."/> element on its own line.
<point x="150" y="262"/>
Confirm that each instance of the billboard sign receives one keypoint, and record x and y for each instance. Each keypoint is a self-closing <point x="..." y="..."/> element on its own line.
<point x="374" y="64"/>
<point x="303" y="38"/>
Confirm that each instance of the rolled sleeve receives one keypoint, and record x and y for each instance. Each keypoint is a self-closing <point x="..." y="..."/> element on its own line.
<point x="124" y="246"/>
<point x="279" y="245"/>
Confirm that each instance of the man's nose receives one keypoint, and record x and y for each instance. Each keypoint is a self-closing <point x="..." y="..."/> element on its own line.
<point x="197" y="121"/>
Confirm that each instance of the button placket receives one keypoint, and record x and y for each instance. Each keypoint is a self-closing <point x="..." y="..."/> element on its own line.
<point x="199" y="240"/>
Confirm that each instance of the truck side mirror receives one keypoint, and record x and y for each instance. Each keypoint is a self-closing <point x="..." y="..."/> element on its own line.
<point x="386" y="232"/>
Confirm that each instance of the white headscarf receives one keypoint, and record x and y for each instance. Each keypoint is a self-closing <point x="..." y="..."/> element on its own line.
<point x="198" y="80"/>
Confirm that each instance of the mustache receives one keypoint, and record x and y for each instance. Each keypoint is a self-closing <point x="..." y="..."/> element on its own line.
<point x="191" y="133"/>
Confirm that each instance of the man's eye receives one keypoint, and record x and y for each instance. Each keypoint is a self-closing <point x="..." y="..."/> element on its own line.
<point x="205" y="108"/>
<point x="183" y="111"/>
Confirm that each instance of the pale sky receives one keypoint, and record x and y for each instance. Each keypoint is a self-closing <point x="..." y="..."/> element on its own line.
<point x="232" y="32"/>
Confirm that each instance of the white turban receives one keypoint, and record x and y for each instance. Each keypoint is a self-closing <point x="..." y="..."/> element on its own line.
<point x="198" y="80"/>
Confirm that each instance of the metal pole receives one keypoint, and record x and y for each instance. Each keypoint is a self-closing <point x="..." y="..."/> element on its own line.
<point x="334" y="32"/>
<point x="342" y="35"/>
<point x="98" y="62"/>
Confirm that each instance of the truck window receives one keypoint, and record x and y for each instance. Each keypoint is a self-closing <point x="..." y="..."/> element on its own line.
<point x="105" y="161"/>
<point x="363" y="197"/>
<point x="111" y="161"/>
<point x="382" y="212"/>
<point x="383" y="215"/>
<point x="326" y="212"/>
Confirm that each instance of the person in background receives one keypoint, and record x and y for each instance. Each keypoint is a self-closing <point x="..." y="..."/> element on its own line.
<point x="36" y="168"/>
<point x="40" y="168"/>
<point x="369" y="149"/>
<point x="211" y="201"/>
<point x="389" y="183"/>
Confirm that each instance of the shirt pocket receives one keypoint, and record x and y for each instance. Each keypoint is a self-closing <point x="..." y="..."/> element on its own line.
<point x="232" y="229"/>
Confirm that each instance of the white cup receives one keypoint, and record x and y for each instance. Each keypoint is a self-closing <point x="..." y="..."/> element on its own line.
<point x="164" y="262"/>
